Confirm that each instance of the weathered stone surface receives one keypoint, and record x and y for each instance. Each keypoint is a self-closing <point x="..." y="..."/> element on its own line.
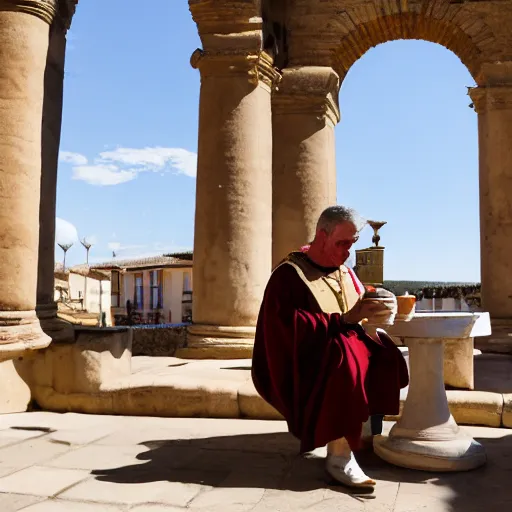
<point x="41" y="481"/>
<point x="304" y="113"/>
<point x="15" y="502"/>
<point x="164" y="492"/>
<point x="233" y="466"/>
<point x="155" y="508"/>
<point x="71" y="506"/>
<point x="98" y="457"/>
<point x="33" y="451"/>
<point x="459" y="363"/>
<point x="253" y="406"/>
<point x="24" y="45"/>
<point x="158" y="342"/>
<point x="16" y="392"/>
<point x="476" y="407"/>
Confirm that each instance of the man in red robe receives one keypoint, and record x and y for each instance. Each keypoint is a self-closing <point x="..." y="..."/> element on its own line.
<point x="313" y="361"/>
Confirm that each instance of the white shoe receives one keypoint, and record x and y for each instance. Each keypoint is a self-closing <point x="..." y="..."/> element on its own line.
<point x="346" y="471"/>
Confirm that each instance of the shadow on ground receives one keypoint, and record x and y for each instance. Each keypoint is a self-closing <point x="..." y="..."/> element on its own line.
<point x="271" y="461"/>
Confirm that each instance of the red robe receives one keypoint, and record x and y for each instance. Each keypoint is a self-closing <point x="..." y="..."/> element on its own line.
<point x="324" y="376"/>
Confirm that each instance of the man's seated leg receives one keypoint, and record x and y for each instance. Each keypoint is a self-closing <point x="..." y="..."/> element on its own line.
<point x="343" y="467"/>
<point x="377" y="421"/>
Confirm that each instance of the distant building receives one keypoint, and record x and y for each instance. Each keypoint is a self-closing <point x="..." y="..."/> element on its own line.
<point x="152" y="290"/>
<point x="83" y="288"/>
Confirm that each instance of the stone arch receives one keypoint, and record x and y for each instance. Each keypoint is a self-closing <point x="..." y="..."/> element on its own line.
<point x="451" y="26"/>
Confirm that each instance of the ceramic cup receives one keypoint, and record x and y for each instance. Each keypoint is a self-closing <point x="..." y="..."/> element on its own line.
<point x="387" y="316"/>
<point x="406" y="307"/>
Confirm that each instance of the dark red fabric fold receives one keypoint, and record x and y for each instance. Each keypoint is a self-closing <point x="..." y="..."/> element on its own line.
<point x="325" y="377"/>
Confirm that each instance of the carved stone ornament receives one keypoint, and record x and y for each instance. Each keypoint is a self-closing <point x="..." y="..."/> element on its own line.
<point x="497" y="97"/>
<point x="257" y="66"/>
<point x="308" y="90"/>
<point x="43" y="9"/>
<point x="227" y="16"/>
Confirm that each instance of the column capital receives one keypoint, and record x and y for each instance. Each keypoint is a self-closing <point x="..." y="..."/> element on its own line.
<point x="226" y="16"/>
<point x="308" y="90"/>
<point x="496" y="97"/>
<point x="46" y="10"/>
<point x="257" y="66"/>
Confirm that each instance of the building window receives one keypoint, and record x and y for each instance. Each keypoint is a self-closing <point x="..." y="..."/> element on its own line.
<point x="155" y="289"/>
<point x="187" y="285"/>
<point x="138" y="297"/>
<point x="115" y="294"/>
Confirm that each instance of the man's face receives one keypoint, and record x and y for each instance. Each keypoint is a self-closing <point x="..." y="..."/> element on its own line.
<point x="336" y="246"/>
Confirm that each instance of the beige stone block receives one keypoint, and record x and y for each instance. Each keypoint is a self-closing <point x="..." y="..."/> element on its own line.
<point x="476" y="407"/>
<point x="253" y="406"/>
<point x="15" y="502"/>
<point x="71" y="506"/>
<point x="81" y="436"/>
<point x="7" y="470"/>
<point x="163" y="492"/>
<point x="39" y="368"/>
<point x="90" y="403"/>
<point x="28" y="453"/>
<point x="98" y="457"/>
<point x="41" y="481"/>
<point x="15" y="395"/>
<point x="289" y="501"/>
<point x="63" y="368"/>
<point x="17" y="434"/>
<point x="459" y="363"/>
<point x="155" y="508"/>
<point x="507" y="410"/>
<point x="227" y="499"/>
<point x="180" y="397"/>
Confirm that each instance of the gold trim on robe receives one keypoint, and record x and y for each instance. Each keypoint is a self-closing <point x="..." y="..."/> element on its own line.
<point x="334" y="293"/>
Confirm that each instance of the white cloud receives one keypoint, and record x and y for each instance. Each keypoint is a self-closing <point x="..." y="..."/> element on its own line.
<point x="124" y="164"/>
<point x="156" y="159"/>
<point x="72" y="158"/>
<point x="65" y="232"/>
<point x="102" y="174"/>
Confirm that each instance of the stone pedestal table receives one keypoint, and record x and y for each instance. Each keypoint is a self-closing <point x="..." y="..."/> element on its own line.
<point x="426" y="436"/>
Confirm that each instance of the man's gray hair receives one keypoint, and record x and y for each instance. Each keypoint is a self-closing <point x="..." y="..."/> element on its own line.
<point x="335" y="215"/>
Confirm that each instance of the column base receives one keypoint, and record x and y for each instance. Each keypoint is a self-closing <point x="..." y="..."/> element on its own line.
<point x="58" y="329"/>
<point x="218" y="342"/>
<point x="20" y="331"/>
<point x="462" y="453"/>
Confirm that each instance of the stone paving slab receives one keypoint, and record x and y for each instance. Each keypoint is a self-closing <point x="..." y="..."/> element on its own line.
<point x="170" y="465"/>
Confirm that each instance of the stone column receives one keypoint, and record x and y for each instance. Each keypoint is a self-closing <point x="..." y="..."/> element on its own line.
<point x="232" y="243"/>
<point x="305" y="111"/>
<point x="24" y="31"/>
<point x="494" y="107"/>
<point x="46" y="309"/>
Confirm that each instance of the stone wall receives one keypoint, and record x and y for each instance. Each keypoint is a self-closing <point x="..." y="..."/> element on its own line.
<point x="158" y="340"/>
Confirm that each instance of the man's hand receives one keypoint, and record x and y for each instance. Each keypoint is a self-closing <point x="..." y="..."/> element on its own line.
<point x="364" y="308"/>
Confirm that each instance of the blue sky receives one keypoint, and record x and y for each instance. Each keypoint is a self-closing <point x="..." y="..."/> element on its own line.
<point x="406" y="146"/>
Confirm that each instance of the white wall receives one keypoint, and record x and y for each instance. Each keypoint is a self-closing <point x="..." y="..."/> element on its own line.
<point x="92" y="298"/>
